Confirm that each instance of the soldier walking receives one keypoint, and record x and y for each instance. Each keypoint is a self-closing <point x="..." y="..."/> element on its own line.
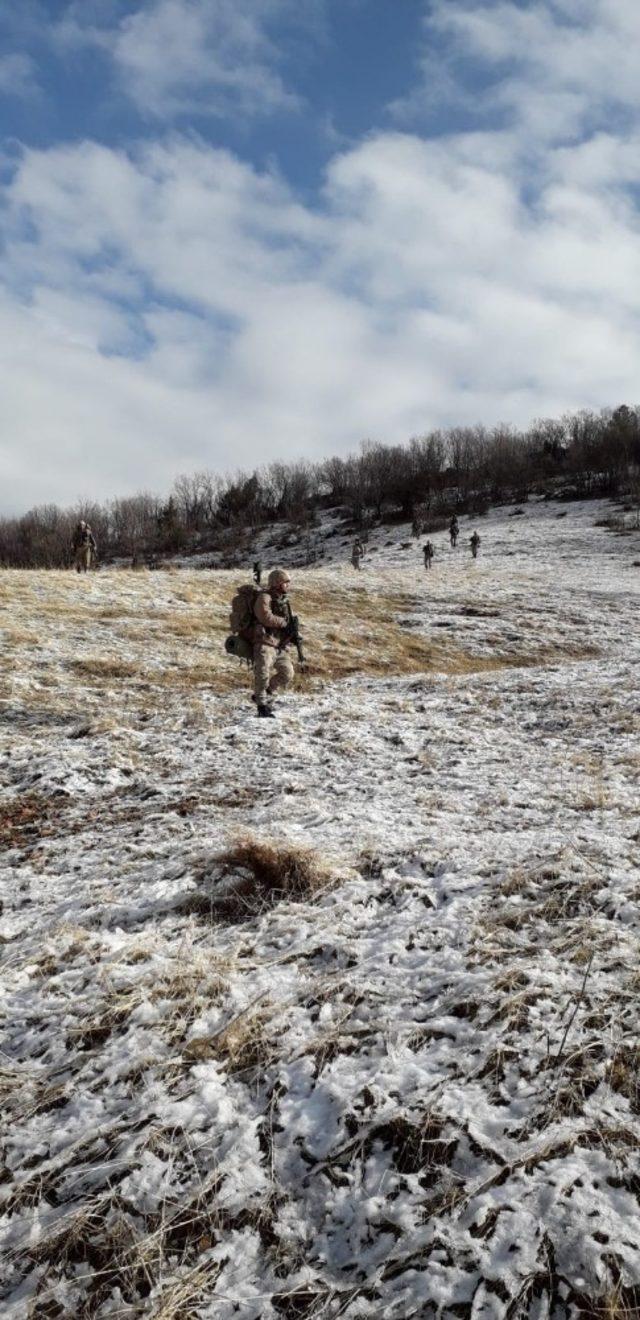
<point x="83" y="546"/>
<point x="474" y="542"/>
<point x="454" y="531"/>
<point x="428" y="552"/>
<point x="272" y="668"/>
<point x="357" y="553"/>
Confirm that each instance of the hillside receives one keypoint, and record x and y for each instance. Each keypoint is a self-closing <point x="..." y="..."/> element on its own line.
<point x="333" y="1015"/>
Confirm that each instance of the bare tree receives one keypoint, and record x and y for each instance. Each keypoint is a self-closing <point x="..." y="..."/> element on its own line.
<point x="134" y="524"/>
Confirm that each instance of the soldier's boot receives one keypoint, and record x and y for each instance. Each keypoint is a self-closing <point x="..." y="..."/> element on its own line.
<point x="265" y="712"/>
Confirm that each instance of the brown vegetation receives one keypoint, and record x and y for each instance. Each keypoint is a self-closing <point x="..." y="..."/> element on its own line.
<point x="99" y="667"/>
<point x="25" y="819"/>
<point x="253" y="874"/>
<point x="147" y="645"/>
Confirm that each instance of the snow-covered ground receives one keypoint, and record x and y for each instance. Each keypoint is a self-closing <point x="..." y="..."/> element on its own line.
<point x="412" y="1092"/>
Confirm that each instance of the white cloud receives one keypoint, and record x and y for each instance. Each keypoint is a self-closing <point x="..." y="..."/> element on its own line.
<point x="558" y="66"/>
<point x="174" y="309"/>
<point x="174" y="57"/>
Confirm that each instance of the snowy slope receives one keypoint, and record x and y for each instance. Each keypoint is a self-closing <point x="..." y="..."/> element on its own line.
<point x="411" y="1093"/>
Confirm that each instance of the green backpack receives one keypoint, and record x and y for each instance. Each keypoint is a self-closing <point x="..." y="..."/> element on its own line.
<point x="241" y="619"/>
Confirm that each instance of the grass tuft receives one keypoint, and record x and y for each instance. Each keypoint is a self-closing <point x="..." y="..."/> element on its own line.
<point x="97" y="667"/>
<point x="257" y="874"/>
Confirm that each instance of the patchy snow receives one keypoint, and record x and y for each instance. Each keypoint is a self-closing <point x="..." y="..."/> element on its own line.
<point x="414" y="1094"/>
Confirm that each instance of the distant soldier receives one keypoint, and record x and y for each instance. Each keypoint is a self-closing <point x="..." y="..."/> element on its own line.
<point x="427" y="551"/>
<point x="357" y="552"/>
<point x="257" y="572"/>
<point x="84" y="546"/>
<point x="415" y="527"/>
<point x="474" y="542"/>
<point x="454" y="531"/>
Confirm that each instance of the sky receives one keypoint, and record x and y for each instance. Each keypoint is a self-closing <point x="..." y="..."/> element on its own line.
<point x="234" y="231"/>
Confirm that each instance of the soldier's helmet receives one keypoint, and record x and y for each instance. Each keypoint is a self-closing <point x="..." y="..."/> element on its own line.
<point x="278" y="577"/>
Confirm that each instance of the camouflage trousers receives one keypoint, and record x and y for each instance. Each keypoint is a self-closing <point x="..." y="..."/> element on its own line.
<point x="272" y="672"/>
<point x="83" y="558"/>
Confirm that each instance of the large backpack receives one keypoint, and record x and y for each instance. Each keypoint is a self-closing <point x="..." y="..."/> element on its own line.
<point x="242" y="618"/>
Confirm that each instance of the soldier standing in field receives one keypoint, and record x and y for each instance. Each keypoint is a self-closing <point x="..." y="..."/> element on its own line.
<point x="453" y="531"/>
<point x="474" y="542"/>
<point x="83" y="546"/>
<point x="428" y="553"/>
<point x="357" y="552"/>
<point x="257" y="572"/>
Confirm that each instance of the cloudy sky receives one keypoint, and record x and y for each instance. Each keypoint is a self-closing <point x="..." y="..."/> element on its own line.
<point x="239" y="230"/>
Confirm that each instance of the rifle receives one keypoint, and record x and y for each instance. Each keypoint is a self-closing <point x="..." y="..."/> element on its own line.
<point x="292" y="633"/>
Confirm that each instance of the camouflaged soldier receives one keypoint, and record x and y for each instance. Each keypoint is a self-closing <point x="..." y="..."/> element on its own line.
<point x="84" y="546"/>
<point x="474" y="542"/>
<point x="272" y="668"/>
<point x="428" y="553"/>
<point x="357" y="553"/>
<point x="454" y="531"/>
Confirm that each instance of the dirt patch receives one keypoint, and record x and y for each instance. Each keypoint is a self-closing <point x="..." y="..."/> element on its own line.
<point x="27" y="819"/>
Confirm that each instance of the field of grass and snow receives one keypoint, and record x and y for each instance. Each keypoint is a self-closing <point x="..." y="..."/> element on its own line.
<point x="334" y="1015"/>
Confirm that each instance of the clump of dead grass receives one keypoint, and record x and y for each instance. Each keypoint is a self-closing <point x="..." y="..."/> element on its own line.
<point x="185" y="992"/>
<point x="104" y="667"/>
<point x="242" y="1044"/>
<point x="619" y="1303"/>
<point x="288" y="869"/>
<point x="253" y="874"/>
<point x="623" y="1074"/>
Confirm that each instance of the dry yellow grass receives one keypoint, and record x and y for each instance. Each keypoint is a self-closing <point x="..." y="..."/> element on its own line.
<point x="253" y="874"/>
<point x="242" y="1044"/>
<point x="99" y="667"/>
<point x="160" y="631"/>
<point x="283" y="868"/>
<point x="18" y="637"/>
